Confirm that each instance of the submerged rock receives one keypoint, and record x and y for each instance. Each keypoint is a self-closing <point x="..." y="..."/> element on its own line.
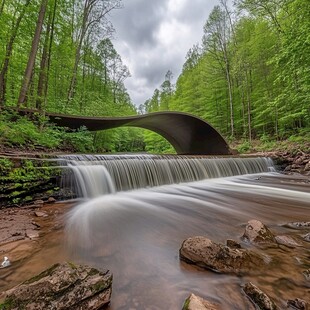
<point x="287" y="241"/>
<point x="205" y="253"/>
<point x="306" y="237"/>
<point x="306" y="274"/>
<point x="298" y="225"/>
<point x="258" y="297"/>
<point x="194" y="302"/>
<point x="63" y="286"/>
<point x="258" y="233"/>
<point x="297" y="303"/>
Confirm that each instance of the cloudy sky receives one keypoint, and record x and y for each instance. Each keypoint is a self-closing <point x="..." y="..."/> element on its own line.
<point x="154" y="36"/>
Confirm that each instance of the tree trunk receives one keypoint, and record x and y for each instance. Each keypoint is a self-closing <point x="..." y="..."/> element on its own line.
<point x="32" y="55"/>
<point x="43" y="66"/>
<point x="86" y="13"/>
<point x="51" y="40"/>
<point x="8" y="52"/>
<point x="248" y="93"/>
<point x="228" y="79"/>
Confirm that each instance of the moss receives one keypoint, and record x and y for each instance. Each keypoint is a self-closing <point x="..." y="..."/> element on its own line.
<point x="43" y="274"/>
<point x="72" y="265"/>
<point x="186" y="304"/>
<point x="7" y="304"/>
<point x="100" y="286"/>
<point x="20" y="178"/>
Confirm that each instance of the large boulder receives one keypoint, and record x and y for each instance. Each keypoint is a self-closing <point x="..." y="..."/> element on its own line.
<point x="63" y="286"/>
<point x="205" y="253"/>
<point x="258" y="233"/>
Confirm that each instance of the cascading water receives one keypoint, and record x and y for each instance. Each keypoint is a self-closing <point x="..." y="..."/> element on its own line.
<point x="96" y="175"/>
<point x="139" y="216"/>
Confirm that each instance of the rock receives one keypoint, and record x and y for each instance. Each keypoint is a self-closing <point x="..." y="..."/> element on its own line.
<point x="258" y="233"/>
<point x="63" y="286"/>
<point x="299" y="160"/>
<point x="287" y="241"/>
<point x="233" y="244"/>
<point x="306" y="273"/>
<point x="306" y="237"/>
<point x="40" y="214"/>
<point x="258" y="297"/>
<point x="202" y="252"/>
<point x="194" y="302"/>
<point x="307" y="167"/>
<point x="298" y="225"/>
<point x="32" y="234"/>
<point x="297" y="303"/>
<point x="6" y="262"/>
<point x="288" y="168"/>
<point x="38" y="202"/>
<point x="37" y="226"/>
<point x="51" y="200"/>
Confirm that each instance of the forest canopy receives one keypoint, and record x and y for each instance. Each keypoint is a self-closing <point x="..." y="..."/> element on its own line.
<point x="249" y="76"/>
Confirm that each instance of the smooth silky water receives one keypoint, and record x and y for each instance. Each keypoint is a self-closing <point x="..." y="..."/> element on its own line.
<point x="137" y="210"/>
<point x="134" y="225"/>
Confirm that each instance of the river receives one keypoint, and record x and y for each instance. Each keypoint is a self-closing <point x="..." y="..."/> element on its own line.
<point x="137" y="235"/>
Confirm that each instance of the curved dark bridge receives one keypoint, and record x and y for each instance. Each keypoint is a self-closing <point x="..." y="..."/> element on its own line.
<point x="188" y="134"/>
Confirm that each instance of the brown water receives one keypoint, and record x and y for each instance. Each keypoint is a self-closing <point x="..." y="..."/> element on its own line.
<point x="137" y="235"/>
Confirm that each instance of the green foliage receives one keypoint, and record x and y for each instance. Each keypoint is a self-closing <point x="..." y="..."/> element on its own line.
<point x="119" y="140"/>
<point x="157" y="144"/>
<point x="258" y="64"/>
<point x="244" y="147"/>
<point x="80" y="140"/>
<point x="5" y="166"/>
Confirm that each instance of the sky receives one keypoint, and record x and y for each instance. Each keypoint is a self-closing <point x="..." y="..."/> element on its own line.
<point x="154" y="36"/>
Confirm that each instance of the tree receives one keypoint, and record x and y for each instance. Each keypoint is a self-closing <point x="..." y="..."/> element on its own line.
<point x="32" y="55"/>
<point x="9" y="48"/>
<point x="216" y="39"/>
<point x="93" y="15"/>
<point x="166" y="91"/>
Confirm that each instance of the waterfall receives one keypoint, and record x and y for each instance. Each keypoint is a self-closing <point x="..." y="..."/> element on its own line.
<point x="95" y="175"/>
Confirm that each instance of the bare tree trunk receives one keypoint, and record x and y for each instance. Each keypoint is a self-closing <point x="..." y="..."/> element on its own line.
<point x="86" y="13"/>
<point x="8" y="52"/>
<point x="32" y="55"/>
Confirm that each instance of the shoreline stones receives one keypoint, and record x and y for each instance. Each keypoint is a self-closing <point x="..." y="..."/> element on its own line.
<point x="62" y="286"/>
<point x="205" y="253"/>
<point x="298" y="163"/>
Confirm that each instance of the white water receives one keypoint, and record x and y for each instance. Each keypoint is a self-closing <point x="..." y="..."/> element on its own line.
<point x="137" y="233"/>
<point x="102" y="174"/>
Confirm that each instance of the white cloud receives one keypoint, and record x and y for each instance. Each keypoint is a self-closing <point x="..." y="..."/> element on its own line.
<point x="153" y="37"/>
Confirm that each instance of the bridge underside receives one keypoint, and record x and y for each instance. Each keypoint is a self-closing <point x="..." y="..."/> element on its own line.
<point x="187" y="134"/>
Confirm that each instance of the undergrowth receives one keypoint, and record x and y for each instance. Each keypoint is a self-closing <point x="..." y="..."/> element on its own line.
<point x="21" y="132"/>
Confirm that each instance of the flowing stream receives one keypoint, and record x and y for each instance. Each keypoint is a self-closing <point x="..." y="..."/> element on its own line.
<point x="139" y="209"/>
<point x="135" y="212"/>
